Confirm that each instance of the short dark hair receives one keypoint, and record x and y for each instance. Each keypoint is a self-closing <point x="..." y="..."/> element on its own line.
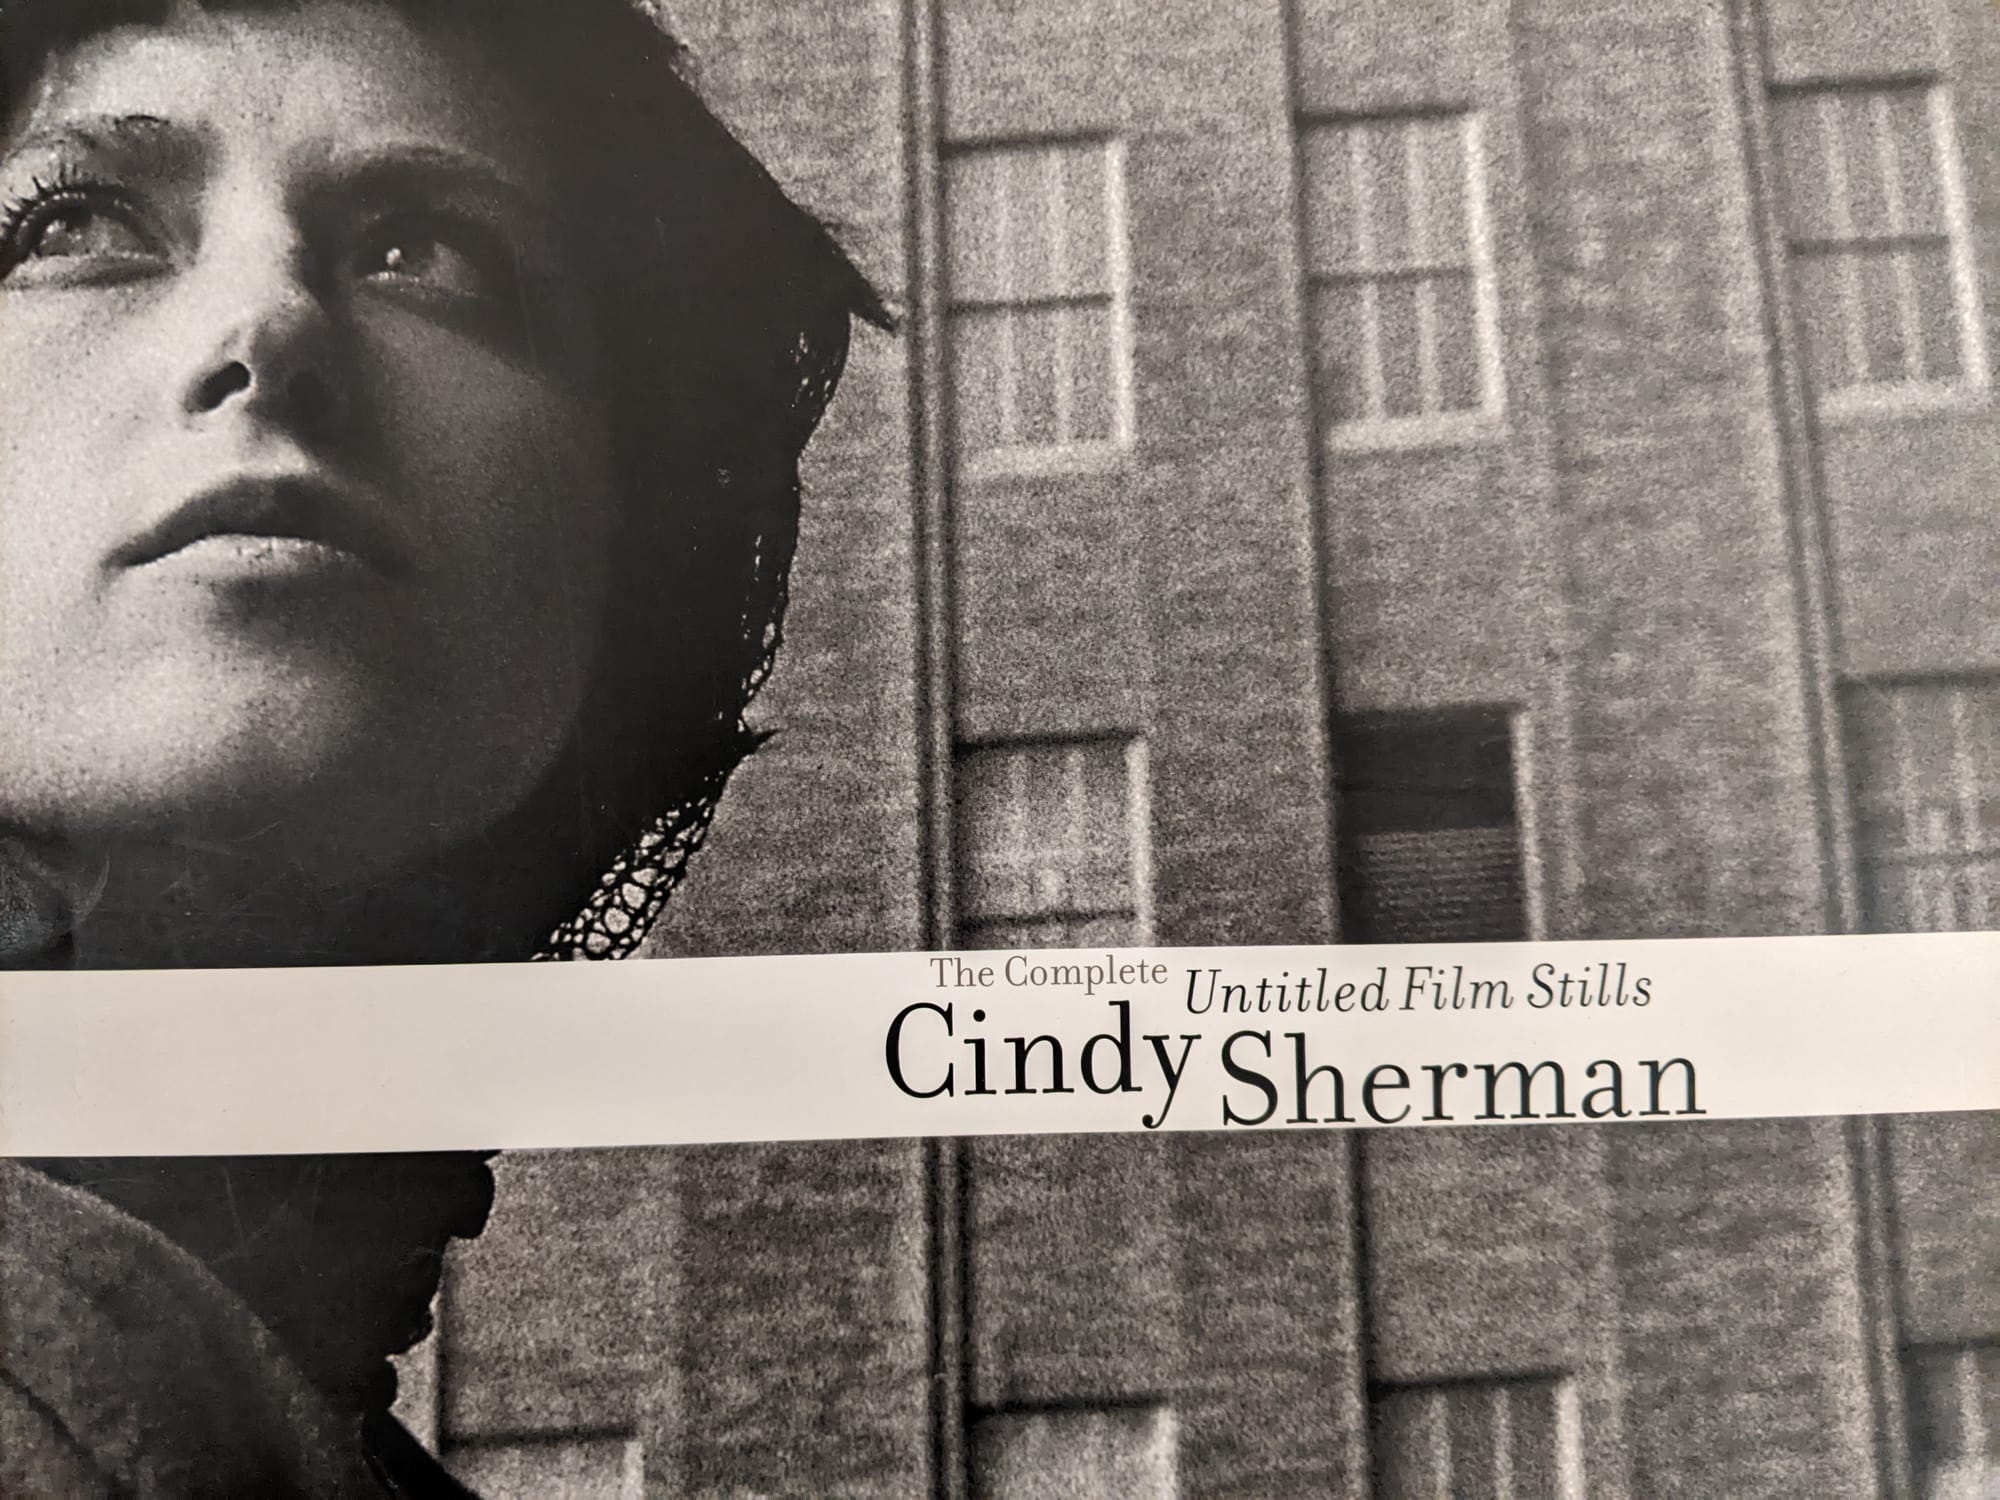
<point x="723" y="317"/>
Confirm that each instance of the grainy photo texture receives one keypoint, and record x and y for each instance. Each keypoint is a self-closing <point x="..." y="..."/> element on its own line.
<point x="1302" y="471"/>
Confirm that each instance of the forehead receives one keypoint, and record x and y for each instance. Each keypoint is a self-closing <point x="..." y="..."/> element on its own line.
<point x="315" y="79"/>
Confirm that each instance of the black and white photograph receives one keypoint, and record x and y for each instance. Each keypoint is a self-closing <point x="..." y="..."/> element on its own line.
<point x="508" y="481"/>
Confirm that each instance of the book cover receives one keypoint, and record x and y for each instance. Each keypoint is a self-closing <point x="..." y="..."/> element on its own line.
<point x="1268" y="477"/>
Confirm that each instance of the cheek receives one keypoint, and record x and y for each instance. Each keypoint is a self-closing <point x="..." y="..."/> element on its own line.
<point x="504" y="474"/>
<point x="33" y="478"/>
<point x="59" y="419"/>
<point x="68" y="414"/>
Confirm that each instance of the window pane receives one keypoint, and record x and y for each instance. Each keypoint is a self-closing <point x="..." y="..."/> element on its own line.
<point x="1427" y="826"/>
<point x="1801" y="147"/>
<point x="1046" y="843"/>
<point x="1453" y="768"/>
<point x="1983" y="897"/>
<point x="1925" y="766"/>
<point x="1829" y="315"/>
<point x="1016" y="221"/>
<point x="1091" y="361"/>
<point x="1542" y="1459"/>
<point x="1458" y="885"/>
<point x="1909" y="739"/>
<point x="1341" y="352"/>
<point x="979" y="377"/>
<point x="1504" y="1439"/>
<point x="1906" y="116"/>
<point x="1929" y="270"/>
<point x="1879" y="284"/>
<point x="1028" y="222"/>
<point x="975" y="193"/>
<point x="1480" y="1443"/>
<point x="1968" y="897"/>
<point x="1437" y="151"/>
<point x="1892" y="899"/>
<point x="1097" y="807"/>
<point x="1402" y="387"/>
<point x="1083" y="222"/>
<point x="1861" y="165"/>
<point x="1954" y="1396"/>
<point x="1461" y="378"/>
<point x="1386" y="185"/>
<point x="1385" y="193"/>
<point x="1036" y="220"/>
<point x="1035" y="349"/>
<point x="1331" y="238"/>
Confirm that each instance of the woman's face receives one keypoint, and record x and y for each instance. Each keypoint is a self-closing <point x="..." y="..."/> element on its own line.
<point x="304" y="478"/>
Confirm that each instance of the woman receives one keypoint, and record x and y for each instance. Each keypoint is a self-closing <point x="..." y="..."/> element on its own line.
<point x="398" y="481"/>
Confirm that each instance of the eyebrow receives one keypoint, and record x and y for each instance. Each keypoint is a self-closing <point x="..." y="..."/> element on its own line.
<point x="143" y="136"/>
<point x="399" y="169"/>
<point x="165" y="144"/>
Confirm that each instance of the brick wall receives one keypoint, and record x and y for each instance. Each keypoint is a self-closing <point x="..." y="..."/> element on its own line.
<point x="1649" y="547"/>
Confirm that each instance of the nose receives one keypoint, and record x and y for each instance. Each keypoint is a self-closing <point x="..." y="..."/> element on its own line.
<point x="269" y="349"/>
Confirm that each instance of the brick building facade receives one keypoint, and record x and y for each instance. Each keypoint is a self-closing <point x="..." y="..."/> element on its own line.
<point x="1382" y="469"/>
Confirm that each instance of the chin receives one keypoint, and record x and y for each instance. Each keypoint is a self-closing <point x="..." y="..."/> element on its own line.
<point x="298" y="769"/>
<point x="336" y="772"/>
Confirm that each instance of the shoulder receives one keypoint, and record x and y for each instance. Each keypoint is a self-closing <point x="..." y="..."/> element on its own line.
<point x="126" y="1360"/>
<point x="38" y="1456"/>
<point x="412" y="1472"/>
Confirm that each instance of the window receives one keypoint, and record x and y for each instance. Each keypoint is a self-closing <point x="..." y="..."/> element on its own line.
<point x="1430" y="850"/>
<point x="1926" y="772"/>
<point x="585" y="1468"/>
<point x="1036" y="279"/>
<point x="1876" y="220"/>
<point x="1403" y="307"/>
<point x="1955" y="1420"/>
<point x="1518" y="1439"/>
<point x="1052" y="844"/>
<point x="1117" y="1454"/>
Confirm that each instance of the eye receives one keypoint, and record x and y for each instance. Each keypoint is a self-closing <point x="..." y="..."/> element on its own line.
<point x="437" y="257"/>
<point x="74" y="228"/>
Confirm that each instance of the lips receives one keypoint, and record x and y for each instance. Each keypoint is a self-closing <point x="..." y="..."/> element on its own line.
<point x="270" y="513"/>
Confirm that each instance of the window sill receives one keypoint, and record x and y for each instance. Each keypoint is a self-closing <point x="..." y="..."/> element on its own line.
<point x="1035" y="463"/>
<point x="1859" y="405"/>
<point x="1408" y="434"/>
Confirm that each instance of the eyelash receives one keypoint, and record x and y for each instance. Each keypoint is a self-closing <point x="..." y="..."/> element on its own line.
<point x="480" y="245"/>
<point x="24" y="213"/>
<point x="18" y="215"/>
